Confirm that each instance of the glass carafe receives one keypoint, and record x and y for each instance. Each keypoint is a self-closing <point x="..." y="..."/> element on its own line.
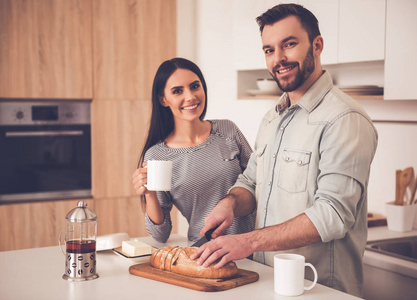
<point x="80" y="243"/>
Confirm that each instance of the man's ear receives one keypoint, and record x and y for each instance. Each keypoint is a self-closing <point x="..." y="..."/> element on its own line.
<point x="318" y="45"/>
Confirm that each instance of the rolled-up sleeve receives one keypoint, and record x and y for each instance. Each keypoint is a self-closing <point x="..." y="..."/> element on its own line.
<point x="346" y="152"/>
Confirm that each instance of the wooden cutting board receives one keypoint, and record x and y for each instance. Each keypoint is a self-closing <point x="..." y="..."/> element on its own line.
<point x="376" y="220"/>
<point x="200" y="284"/>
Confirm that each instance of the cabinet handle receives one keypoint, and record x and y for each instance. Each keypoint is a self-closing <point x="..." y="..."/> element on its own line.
<point x="43" y="133"/>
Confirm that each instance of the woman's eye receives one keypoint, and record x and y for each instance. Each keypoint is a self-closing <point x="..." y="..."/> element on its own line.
<point x="176" y="91"/>
<point x="195" y="86"/>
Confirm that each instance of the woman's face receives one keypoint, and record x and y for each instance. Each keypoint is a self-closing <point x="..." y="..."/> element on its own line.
<point x="184" y="95"/>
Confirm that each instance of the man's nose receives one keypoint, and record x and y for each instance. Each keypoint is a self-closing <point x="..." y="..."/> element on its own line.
<point x="279" y="57"/>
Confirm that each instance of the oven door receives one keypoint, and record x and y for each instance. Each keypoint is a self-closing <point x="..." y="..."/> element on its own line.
<point x="45" y="162"/>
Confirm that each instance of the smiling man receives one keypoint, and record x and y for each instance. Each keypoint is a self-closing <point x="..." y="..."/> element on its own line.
<point x="309" y="173"/>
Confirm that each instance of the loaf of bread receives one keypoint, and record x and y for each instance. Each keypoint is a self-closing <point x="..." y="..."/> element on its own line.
<point x="177" y="259"/>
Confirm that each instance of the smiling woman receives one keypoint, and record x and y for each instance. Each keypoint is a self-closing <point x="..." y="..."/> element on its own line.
<point x="207" y="155"/>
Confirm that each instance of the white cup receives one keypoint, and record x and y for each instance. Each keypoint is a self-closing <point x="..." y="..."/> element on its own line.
<point x="289" y="270"/>
<point x="159" y="175"/>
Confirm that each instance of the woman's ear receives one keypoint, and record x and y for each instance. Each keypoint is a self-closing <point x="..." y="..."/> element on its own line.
<point x="162" y="101"/>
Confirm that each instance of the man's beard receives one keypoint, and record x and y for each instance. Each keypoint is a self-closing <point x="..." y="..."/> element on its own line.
<point x="301" y="76"/>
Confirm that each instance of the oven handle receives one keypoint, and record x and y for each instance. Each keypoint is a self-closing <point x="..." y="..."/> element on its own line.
<point x="43" y="133"/>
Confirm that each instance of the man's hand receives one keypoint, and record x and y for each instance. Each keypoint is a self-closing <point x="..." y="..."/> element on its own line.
<point x="239" y="202"/>
<point x="222" y="215"/>
<point x="225" y="248"/>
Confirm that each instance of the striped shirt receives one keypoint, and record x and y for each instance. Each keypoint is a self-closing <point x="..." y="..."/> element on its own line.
<point x="201" y="176"/>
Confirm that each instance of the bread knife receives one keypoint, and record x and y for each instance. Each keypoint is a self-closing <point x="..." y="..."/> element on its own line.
<point x="205" y="238"/>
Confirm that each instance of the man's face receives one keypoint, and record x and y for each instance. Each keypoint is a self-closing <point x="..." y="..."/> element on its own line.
<point x="288" y="53"/>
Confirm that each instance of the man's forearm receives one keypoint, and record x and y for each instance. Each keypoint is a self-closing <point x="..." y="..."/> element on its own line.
<point x="294" y="233"/>
<point x="242" y="201"/>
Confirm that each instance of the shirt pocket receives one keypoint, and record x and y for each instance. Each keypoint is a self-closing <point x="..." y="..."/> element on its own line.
<point x="260" y="161"/>
<point x="293" y="170"/>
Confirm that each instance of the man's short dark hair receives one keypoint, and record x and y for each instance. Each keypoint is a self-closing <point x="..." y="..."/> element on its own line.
<point x="281" y="11"/>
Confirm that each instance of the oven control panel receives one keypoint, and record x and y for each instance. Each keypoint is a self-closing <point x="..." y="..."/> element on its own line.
<point x="44" y="112"/>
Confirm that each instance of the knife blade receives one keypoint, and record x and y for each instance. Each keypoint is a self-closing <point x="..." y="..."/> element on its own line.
<point x="205" y="238"/>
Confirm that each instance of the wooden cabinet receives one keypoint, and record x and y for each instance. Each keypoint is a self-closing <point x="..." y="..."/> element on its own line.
<point x="54" y="49"/>
<point x="131" y="39"/>
<point x="119" y="129"/>
<point x="46" y="49"/>
<point x="33" y="225"/>
<point x="401" y="49"/>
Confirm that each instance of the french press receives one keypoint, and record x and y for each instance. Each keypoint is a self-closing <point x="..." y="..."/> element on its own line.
<point x="80" y="243"/>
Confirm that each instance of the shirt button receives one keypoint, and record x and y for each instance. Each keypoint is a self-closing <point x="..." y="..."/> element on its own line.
<point x="281" y="128"/>
<point x="269" y="183"/>
<point x="264" y="211"/>
<point x="287" y="158"/>
<point x="274" y="155"/>
<point x="300" y="162"/>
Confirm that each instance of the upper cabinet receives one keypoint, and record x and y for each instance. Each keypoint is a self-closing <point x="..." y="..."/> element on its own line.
<point x="401" y="49"/>
<point x="353" y="31"/>
<point x="327" y="12"/>
<point x="45" y="49"/>
<point x="247" y="44"/>
<point x="361" y="30"/>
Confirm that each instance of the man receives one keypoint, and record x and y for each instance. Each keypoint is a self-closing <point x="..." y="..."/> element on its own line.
<point x="309" y="172"/>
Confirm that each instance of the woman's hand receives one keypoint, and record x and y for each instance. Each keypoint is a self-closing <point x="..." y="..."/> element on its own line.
<point x="139" y="179"/>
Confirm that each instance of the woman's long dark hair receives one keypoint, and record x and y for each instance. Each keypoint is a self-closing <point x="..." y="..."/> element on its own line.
<point x="162" y="120"/>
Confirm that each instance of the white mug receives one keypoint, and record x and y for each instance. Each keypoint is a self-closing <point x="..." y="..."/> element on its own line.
<point x="289" y="270"/>
<point x="159" y="175"/>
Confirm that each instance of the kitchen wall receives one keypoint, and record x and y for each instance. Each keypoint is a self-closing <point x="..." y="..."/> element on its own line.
<point x="205" y="35"/>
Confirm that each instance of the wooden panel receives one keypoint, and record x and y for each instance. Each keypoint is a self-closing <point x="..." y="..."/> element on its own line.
<point x="45" y="49"/>
<point x="124" y="215"/>
<point x="33" y="225"/>
<point x="118" y="130"/>
<point x="131" y="39"/>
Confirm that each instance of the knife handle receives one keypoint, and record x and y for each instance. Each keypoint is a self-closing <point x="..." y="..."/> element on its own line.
<point x="210" y="232"/>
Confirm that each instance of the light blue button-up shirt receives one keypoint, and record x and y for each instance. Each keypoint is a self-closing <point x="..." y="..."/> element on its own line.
<point x="314" y="158"/>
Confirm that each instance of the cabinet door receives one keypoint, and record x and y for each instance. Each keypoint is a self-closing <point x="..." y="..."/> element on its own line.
<point x="361" y="30"/>
<point x="131" y="39"/>
<point x="119" y="128"/>
<point x="33" y="225"/>
<point x="247" y="43"/>
<point x="45" y="49"/>
<point x="327" y="13"/>
<point x="401" y="49"/>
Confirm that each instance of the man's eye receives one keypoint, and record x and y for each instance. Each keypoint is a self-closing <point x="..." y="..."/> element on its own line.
<point x="290" y="44"/>
<point x="268" y="51"/>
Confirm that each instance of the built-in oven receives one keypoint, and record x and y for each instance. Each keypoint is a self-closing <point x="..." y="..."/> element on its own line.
<point x="45" y="149"/>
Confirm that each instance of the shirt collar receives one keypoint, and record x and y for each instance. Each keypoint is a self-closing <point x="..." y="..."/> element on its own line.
<point x="312" y="98"/>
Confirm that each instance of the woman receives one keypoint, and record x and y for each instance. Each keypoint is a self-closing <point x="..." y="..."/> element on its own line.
<point x="207" y="155"/>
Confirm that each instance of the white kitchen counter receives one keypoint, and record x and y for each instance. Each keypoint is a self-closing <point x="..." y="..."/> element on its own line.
<point x="37" y="274"/>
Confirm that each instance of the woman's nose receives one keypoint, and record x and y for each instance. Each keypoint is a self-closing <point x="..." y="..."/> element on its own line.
<point x="188" y="94"/>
